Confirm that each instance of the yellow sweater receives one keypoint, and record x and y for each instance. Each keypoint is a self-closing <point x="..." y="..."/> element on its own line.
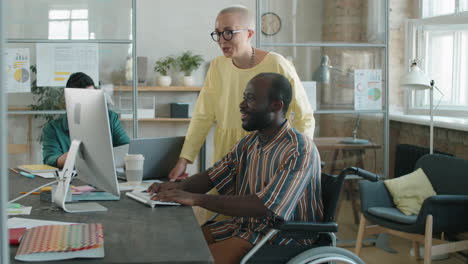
<point x="220" y="98"/>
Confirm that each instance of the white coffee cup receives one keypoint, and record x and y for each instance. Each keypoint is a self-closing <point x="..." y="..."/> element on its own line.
<point x="134" y="168"/>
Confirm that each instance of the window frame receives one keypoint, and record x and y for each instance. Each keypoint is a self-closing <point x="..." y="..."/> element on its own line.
<point x="70" y="21"/>
<point x="416" y="47"/>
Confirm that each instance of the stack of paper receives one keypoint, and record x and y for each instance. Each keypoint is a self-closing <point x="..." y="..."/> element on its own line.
<point x="37" y="168"/>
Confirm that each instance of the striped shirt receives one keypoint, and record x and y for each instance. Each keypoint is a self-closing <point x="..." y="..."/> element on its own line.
<point x="284" y="172"/>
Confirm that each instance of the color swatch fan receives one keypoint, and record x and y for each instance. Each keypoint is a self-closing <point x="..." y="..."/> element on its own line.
<point x="55" y="242"/>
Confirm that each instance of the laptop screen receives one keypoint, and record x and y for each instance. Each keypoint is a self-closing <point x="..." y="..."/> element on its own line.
<point x="161" y="155"/>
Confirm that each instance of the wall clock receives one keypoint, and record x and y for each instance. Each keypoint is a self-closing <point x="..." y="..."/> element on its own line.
<point x="271" y="23"/>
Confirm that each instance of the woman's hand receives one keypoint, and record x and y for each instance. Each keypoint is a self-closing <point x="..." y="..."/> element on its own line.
<point x="178" y="172"/>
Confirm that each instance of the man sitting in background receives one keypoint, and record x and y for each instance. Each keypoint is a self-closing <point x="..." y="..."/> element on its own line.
<point x="271" y="173"/>
<point x="56" y="136"/>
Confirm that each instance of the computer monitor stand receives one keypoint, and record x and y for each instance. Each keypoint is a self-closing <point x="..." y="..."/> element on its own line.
<point x="63" y="186"/>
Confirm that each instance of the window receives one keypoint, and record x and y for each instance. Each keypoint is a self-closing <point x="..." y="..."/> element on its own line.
<point x="463" y="5"/>
<point x="68" y="24"/>
<point x="440" y="41"/>
<point x="433" y="8"/>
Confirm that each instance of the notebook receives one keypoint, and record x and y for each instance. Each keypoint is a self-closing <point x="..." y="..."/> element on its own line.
<point x="15" y="235"/>
<point x="56" y="242"/>
<point x="37" y="168"/>
<point x="144" y="197"/>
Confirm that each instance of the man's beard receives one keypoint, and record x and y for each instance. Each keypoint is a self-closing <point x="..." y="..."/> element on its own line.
<point x="256" y="121"/>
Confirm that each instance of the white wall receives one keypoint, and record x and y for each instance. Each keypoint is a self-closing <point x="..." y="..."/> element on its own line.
<point x="172" y="27"/>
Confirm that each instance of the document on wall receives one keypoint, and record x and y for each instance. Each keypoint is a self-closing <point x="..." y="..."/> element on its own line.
<point x="311" y="91"/>
<point x="367" y="89"/>
<point x="18" y="75"/>
<point x="57" y="61"/>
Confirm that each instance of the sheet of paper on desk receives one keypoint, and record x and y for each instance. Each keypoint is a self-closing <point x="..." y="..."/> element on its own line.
<point x="17" y="222"/>
<point x="47" y="175"/>
<point x="128" y="186"/>
<point x="25" y="210"/>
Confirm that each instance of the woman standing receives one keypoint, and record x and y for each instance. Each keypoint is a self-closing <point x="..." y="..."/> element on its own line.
<point x="225" y="82"/>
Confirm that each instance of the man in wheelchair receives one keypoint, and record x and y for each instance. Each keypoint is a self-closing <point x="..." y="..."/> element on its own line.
<point x="271" y="174"/>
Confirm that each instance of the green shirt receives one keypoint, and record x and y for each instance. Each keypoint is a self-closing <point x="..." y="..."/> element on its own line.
<point x="56" y="137"/>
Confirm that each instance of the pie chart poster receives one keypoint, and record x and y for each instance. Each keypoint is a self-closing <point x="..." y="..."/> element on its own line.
<point x="367" y="89"/>
<point x="18" y="74"/>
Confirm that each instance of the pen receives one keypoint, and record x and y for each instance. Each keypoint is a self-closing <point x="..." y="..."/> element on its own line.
<point x="13" y="170"/>
<point x="30" y="193"/>
<point x="28" y="175"/>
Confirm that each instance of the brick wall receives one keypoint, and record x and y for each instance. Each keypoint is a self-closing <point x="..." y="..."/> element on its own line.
<point x="400" y="10"/>
<point x="446" y="140"/>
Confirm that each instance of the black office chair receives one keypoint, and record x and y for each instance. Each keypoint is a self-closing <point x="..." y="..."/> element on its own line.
<point x="324" y="249"/>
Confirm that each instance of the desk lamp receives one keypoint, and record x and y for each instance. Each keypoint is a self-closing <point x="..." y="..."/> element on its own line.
<point x="415" y="79"/>
<point x="354" y="139"/>
<point x="322" y="75"/>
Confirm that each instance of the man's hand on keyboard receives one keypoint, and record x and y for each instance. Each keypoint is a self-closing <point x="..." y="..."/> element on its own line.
<point x="160" y="187"/>
<point x="178" y="196"/>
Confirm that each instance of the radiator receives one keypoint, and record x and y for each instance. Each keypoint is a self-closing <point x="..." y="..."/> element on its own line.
<point x="407" y="155"/>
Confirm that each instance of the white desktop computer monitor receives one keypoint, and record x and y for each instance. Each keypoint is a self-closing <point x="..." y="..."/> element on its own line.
<point x="91" y="148"/>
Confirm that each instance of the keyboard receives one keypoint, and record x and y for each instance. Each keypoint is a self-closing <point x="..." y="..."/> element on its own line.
<point x="144" y="197"/>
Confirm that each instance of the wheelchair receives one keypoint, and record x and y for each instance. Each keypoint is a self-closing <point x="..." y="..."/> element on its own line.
<point x="324" y="250"/>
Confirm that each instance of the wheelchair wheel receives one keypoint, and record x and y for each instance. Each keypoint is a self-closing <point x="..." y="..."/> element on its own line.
<point x="326" y="255"/>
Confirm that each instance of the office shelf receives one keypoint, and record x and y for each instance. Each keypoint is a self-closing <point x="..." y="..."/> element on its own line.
<point x="326" y="37"/>
<point x="159" y="89"/>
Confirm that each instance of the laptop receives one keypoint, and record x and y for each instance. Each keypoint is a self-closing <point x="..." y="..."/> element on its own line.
<point x="161" y="155"/>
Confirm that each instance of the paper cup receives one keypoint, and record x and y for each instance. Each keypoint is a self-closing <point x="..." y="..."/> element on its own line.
<point x="134" y="168"/>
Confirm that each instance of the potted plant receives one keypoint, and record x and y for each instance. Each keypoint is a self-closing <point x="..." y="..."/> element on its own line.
<point x="162" y="66"/>
<point x="46" y="98"/>
<point x="187" y="63"/>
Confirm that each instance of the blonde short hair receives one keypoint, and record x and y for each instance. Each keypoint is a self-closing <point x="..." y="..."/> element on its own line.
<point x="246" y="16"/>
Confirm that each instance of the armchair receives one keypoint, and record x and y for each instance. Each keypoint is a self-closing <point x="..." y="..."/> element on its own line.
<point x="446" y="212"/>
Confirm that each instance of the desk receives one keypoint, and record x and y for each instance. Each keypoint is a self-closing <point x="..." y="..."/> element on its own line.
<point x="133" y="232"/>
<point x="347" y="150"/>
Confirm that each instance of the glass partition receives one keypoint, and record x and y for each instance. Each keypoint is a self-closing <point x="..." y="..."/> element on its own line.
<point x="112" y="60"/>
<point x="339" y="149"/>
<point x="51" y="39"/>
<point x="333" y="71"/>
<point x="71" y="19"/>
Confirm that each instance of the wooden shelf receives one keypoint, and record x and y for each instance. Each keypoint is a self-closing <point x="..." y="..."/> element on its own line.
<point x="19" y="108"/>
<point x="159" y="89"/>
<point x="159" y="119"/>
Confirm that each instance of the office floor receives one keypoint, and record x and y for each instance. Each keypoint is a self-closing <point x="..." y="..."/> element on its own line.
<point x="371" y="255"/>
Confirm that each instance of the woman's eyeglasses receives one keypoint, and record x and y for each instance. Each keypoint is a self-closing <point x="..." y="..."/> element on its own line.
<point x="227" y="34"/>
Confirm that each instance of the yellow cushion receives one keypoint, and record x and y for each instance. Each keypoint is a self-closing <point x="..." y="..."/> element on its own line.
<point x="410" y="191"/>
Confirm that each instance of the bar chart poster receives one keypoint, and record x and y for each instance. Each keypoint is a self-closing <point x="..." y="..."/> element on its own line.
<point x="367" y="89"/>
<point x="18" y="75"/>
<point x="57" y="61"/>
